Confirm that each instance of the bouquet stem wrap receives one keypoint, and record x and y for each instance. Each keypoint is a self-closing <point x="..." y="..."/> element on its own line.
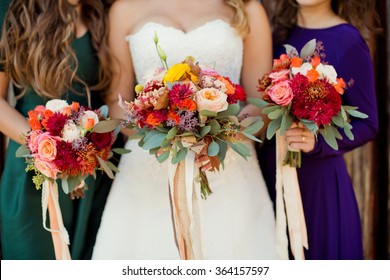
<point x="58" y="231"/>
<point x="288" y="205"/>
<point x="185" y="197"/>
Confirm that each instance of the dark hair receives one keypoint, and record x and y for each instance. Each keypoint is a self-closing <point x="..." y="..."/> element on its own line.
<point x="283" y="15"/>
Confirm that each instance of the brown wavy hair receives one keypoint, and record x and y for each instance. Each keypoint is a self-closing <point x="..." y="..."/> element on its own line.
<point x="36" y="44"/>
<point x="283" y="15"/>
<point x="240" y="20"/>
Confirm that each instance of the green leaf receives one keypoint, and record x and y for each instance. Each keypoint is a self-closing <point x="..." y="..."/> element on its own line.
<point x="121" y="151"/>
<point x="343" y="114"/>
<point x="270" y="109"/>
<point x="329" y="137"/>
<point x="165" y="143"/>
<point x="337" y="133"/>
<point x="154" y="150"/>
<point x="163" y="157"/>
<point x="208" y="113"/>
<point x="290" y="50"/>
<point x="249" y="121"/>
<point x="240" y="148"/>
<point x="308" y="49"/>
<point x="70" y="183"/>
<point x="277" y="113"/>
<point x="346" y="107"/>
<point x="64" y="185"/>
<point x="310" y="125"/>
<point x="22" y="151"/>
<point x="273" y="126"/>
<point x="234" y="120"/>
<point x="286" y="123"/>
<point x="222" y="150"/>
<point x="215" y="127"/>
<point x="258" y="102"/>
<point x="250" y="136"/>
<point x="349" y="133"/>
<point x="105" y="167"/>
<point x="154" y="141"/>
<point x="213" y="149"/>
<point x="150" y="134"/>
<point x="181" y="154"/>
<point x="357" y="114"/>
<point x="204" y="130"/>
<point x="232" y="110"/>
<point x="106" y="126"/>
<point x="172" y="133"/>
<point x="338" y="120"/>
<point x="254" y="128"/>
<point x="112" y="166"/>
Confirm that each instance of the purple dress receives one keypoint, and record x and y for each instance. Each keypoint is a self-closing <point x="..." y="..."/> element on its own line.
<point x="329" y="202"/>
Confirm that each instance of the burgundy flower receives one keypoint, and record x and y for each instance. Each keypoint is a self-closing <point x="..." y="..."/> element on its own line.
<point x="101" y="140"/>
<point x="56" y="123"/>
<point x="316" y="101"/>
<point x="67" y="159"/>
<point x="178" y="93"/>
<point x="239" y="95"/>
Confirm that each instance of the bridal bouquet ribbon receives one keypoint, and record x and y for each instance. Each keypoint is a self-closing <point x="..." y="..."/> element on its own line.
<point x="187" y="113"/>
<point x="66" y="142"/>
<point x="301" y="88"/>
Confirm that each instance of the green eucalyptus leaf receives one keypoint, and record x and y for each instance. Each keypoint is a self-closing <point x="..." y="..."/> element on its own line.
<point x="310" y="125"/>
<point x="121" y="151"/>
<point x="222" y="150"/>
<point x="208" y="113"/>
<point x="290" y="50"/>
<point x="162" y="129"/>
<point x="254" y="128"/>
<point x="213" y="149"/>
<point x="329" y="137"/>
<point x="343" y="114"/>
<point x="215" y="127"/>
<point x="204" y="130"/>
<point x="103" y="110"/>
<point x="64" y="185"/>
<point x="349" y="133"/>
<point x="234" y="120"/>
<point x="172" y="133"/>
<point x="308" y="49"/>
<point x="250" y="136"/>
<point x="154" y="141"/>
<point x="337" y="133"/>
<point x="112" y="166"/>
<point x="106" y="126"/>
<point x="232" y="110"/>
<point x="249" y="121"/>
<point x="258" y="102"/>
<point x="357" y="114"/>
<point x="273" y="126"/>
<point x="105" y="167"/>
<point x="338" y="120"/>
<point x="277" y="113"/>
<point x="23" y="151"/>
<point x="154" y="150"/>
<point x="286" y="123"/>
<point x="181" y="154"/>
<point x="240" y="148"/>
<point x="270" y="109"/>
<point x="165" y="143"/>
<point x="163" y="157"/>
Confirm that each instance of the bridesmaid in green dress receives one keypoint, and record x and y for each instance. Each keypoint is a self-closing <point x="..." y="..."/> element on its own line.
<point x="55" y="56"/>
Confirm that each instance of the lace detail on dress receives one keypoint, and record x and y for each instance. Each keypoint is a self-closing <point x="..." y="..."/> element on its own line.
<point x="201" y="43"/>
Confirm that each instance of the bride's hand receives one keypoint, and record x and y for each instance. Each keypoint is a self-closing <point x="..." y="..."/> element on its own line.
<point x="299" y="137"/>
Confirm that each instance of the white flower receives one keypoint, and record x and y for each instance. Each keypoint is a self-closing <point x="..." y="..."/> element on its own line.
<point x="211" y="99"/>
<point x="89" y="120"/>
<point x="56" y="105"/>
<point x="70" y="132"/>
<point x="303" y="69"/>
<point x="327" y="72"/>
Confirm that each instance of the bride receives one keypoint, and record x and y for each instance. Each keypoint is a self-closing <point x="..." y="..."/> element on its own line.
<point x="237" y="220"/>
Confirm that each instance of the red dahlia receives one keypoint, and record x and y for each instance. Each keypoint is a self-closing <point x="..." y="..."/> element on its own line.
<point x="55" y="123"/>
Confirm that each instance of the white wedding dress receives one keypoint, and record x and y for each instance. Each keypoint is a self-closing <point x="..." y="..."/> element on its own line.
<point x="237" y="220"/>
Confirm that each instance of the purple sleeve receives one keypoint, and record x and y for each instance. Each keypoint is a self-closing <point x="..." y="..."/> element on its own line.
<point x="355" y="64"/>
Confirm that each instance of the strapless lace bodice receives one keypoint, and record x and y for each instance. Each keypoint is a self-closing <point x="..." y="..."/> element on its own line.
<point x="207" y="44"/>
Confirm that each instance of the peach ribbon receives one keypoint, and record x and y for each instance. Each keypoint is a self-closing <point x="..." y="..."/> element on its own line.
<point x="58" y="231"/>
<point x="186" y="208"/>
<point x="288" y="203"/>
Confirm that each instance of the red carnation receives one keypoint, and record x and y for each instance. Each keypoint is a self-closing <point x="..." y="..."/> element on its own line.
<point x="55" y="123"/>
<point x="67" y="159"/>
<point x="316" y="101"/>
<point x="239" y="94"/>
<point x="178" y="93"/>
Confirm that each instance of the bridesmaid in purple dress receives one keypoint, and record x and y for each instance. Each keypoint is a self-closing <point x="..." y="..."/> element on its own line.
<point x="330" y="206"/>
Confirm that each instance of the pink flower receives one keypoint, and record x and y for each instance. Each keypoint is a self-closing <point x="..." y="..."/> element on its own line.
<point x="281" y="93"/>
<point x="207" y="71"/>
<point x="46" y="168"/>
<point x="278" y="76"/>
<point x="32" y="140"/>
<point x="211" y="99"/>
<point x="46" y="146"/>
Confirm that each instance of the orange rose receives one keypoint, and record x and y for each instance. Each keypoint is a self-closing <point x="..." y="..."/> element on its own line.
<point x="152" y="120"/>
<point x="46" y="146"/>
<point x="315" y="61"/>
<point x="189" y="104"/>
<point x="296" y="61"/>
<point x="46" y="168"/>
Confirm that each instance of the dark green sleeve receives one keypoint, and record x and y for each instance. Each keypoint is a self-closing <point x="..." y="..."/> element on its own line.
<point x="3" y="9"/>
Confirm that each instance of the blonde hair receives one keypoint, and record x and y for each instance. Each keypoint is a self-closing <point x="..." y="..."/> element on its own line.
<point x="240" y="20"/>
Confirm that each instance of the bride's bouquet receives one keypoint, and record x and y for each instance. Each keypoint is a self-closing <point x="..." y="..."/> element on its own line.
<point x="66" y="142"/>
<point x="188" y="112"/>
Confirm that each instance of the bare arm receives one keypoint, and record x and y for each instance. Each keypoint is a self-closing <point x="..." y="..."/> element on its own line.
<point x="257" y="54"/>
<point x="123" y="74"/>
<point x="12" y="123"/>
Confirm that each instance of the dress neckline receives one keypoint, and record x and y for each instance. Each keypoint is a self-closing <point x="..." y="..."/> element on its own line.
<point x="197" y="28"/>
<point x="324" y="28"/>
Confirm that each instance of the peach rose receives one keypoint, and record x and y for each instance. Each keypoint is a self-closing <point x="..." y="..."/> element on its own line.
<point x="281" y="93"/>
<point x="89" y="120"/>
<point x="46" y="146"/>
<point x="46" y="168"/>
<point x="279" y="76"/>
<point x="32" y="141"/>
<point x="211" y="99"/>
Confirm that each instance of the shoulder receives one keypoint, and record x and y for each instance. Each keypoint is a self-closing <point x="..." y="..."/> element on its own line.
<point x="349" y="37"/>
<point x="256" y="14"/>
<point x="123" y="13"/>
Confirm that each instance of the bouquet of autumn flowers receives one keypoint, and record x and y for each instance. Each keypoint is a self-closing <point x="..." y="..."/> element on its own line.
<point x="66" y="142"/>
<point x="184" y="112"/>
<point x="303" y="87"/>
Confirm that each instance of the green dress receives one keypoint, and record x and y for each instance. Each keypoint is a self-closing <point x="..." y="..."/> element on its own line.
<point x="22" y="233"/>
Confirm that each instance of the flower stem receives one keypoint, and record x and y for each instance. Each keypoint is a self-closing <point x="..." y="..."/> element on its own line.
<point x="204" y="184"/>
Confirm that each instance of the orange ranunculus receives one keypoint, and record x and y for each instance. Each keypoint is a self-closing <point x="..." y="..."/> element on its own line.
<point x="189" y="104"/>
<point x="174" y="117"/>
<point x="296" y="61"/>
<point x="229" y="87"/>
<point x="89" y="123"/>
<point x="48" y="114"/>
<point x="315" y="61"/>
<point x="340" y="86"/>
<point x="33" y="120"/>
<point x="312" y="75"/>
<point x="152" y="120"/>
<point x="67" y="111"/>
<point x="75" y="106"/>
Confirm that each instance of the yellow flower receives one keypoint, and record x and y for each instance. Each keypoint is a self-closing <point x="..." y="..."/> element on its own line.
<point x="181" y="71"/>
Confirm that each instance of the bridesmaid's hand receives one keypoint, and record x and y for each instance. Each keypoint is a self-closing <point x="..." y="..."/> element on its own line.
<point x="299" y="137"/>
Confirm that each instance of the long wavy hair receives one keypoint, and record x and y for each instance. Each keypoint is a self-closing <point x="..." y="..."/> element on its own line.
<point x="36" y="44"/>
<point x="240" y="20"/>
<point x="283" y="15"/>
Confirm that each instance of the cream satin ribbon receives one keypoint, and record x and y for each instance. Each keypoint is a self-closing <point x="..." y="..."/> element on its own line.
<point x="185" y="196"/>
<point x="288" y="203"/>
<point x="58" y="231"/>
